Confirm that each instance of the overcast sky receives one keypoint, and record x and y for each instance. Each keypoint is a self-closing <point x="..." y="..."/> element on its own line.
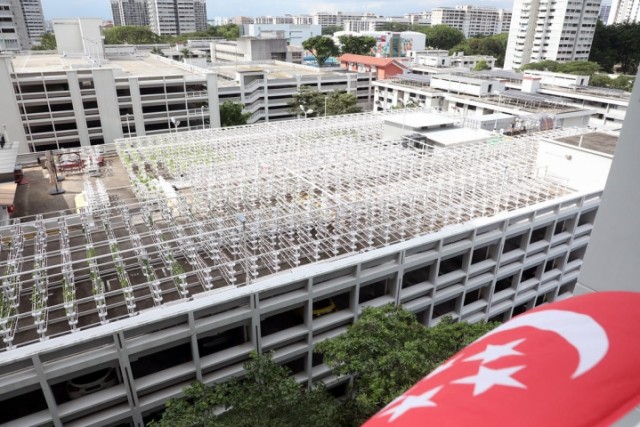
<point x="101" y="8"/>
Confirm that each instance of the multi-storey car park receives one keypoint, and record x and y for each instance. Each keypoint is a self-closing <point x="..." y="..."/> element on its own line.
<point x="236" y="238"/>
<point x="58" y="102"/>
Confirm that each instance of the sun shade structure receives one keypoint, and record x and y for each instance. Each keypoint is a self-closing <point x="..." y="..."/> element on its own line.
<point x="228" y="207"/>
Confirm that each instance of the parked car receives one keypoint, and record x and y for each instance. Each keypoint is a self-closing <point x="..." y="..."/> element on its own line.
<point x="90" y="383"/>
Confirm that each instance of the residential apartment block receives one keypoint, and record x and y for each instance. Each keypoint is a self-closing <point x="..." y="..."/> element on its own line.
<point x="558" y="30"/>
<point x="134" y="300"/>
<point x="130" y="12"/>
<point x="623" y="11"/>
<point x="473" y="20"/>
<point x="21" y="24"/>
<point x="325" y="19"/>
<point x="176" y="17"/>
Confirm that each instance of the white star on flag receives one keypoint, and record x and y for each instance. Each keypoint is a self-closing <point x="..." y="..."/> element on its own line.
<point x="487" y="378"/>
<point x="412" y="402"/>
<point x="495" y="352"/>
<point x="443" y="367"/>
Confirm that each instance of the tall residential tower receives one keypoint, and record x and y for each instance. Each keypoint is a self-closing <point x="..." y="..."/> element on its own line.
<point x="21" y="24"/>
<point x="623" y="11"/>
<point x="558" y="30"/>
<point x="130" y="12"/>
<point x="176" y="17"/>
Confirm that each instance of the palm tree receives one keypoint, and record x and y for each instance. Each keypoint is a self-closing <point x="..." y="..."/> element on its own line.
<point x="186" y="52"/>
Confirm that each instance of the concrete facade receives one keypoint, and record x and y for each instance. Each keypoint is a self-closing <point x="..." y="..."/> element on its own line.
<point x="555" y="30"/>
<point x="295" y="34"/>
<point x="473" y="20"/>
<point x="130" y="12"/>
<point x="63" y="108"/>
<point x="21" y="24"/>
<point x="173" y="17"/>
<point x="623" y="11"/>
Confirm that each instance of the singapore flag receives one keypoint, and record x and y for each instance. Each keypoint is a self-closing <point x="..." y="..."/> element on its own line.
<point x="571" y="363"/>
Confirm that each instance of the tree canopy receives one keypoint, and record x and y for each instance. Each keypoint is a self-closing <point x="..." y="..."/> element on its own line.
<point x="130" y="34"/>
<point x="321" y="47"/>
<point x="358" y="45"/>
<point x="394" y="26"/>
<point x="47" y="42"/>
<point x="583" y="68"/>
<point x="231" y="114"/>
<point x="495" y="46"/>
<point x="337" y="102"/>
<point x="481" y="66"/>
<point x="330" y="29"/>
<point x="616" y="45"/>
<point x="441" y="36"/>
<point x="387" y="350"/>
<point x="266" y="396"/>
<point x="620" y="82"/>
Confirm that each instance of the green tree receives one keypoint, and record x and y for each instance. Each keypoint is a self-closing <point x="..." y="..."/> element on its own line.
<point x="266" y="396"/>
<point x="231" y="114"/>
<point x="394" y="26"/>
<point x="130" y="34"/>
<point x="321" y="47"/>
<point x="481" y="66"/>
<point x="47" y="42"/>
<point x="186" y="53"/>
<point x="546" y="65"/>
<point x="441" y="36"/>
<point x="387" y="351"/>
<point x="495" y="46"/>
<point x="582" y="68"/>
<point x="616" y="45"/>
<point x="330" y="29"/>
<point x="337" y="102"/>
<point x="157" y="51"/>
<point x="358" y="45"/>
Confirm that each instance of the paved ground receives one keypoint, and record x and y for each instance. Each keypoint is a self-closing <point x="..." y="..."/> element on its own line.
<point x="34" y="198"/>
<point x="596" y="141"/>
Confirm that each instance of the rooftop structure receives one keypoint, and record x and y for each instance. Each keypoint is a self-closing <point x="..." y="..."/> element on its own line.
<point x="216" y="243"/>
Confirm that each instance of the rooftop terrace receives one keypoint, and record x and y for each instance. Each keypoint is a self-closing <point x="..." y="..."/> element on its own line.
<point x="228" y="207"/>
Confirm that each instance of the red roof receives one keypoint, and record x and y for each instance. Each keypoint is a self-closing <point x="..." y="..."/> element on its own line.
<point x="368" y="60"/>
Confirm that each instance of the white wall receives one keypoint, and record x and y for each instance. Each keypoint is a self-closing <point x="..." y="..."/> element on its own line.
<point x="9" y="113"/>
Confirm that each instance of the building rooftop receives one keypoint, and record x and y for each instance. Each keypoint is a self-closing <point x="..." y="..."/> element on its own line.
<point x="369" y="60"/>
<point x="138" y="66"/>
<point x="217" y="209"/>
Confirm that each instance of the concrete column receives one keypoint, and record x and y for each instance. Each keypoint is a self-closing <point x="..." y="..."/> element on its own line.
<point x="611" y="260"/>
<point x="78" y="107"/>
<point x="214" y="101"/>
<point x="9" y="112"/>
<point x="108" y="104"/>
<point x="46" y="391"/>
<point x="136" y="104"/>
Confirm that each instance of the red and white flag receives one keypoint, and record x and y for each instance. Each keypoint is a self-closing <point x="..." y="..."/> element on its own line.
<point x="571" y="363"/>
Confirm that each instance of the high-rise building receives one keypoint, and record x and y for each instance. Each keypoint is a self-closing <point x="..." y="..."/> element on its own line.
<point x="130" y="12"/>
<point x="623" y="11"/>
<point x="200" y="10"/>
<point x="605" y="9"/>
<point x="21" y="24"/>
<point x="557" y="30"/>
<point x="176" y="17"/>
<point x="473" y="20"/>
<point x="326" y="19"/>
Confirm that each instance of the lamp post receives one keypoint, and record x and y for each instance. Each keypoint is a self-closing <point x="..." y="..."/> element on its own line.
<point x="325" y="105"/>
<point x="175" y="122"/>
<point x="243" y="220"/>
<point x="309" y="111"/>
<point x="202" y="113"/>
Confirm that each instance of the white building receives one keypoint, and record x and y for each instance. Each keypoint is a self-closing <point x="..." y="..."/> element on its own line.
<point x="556" y="30"/>
<point x="176" y="17"/>
<point x="623" y="11"/>
<point x="376" y="24"/>
<point x="133" y="301"/>
<point x="247" y="49"/>
<point x="325" y="19"/>
<point x="130" y="12"/>
<point x="81" y="100"/>
<point x="21" y="24"/>
<point x="473" y="20"/>
<point x="294" y="33"/>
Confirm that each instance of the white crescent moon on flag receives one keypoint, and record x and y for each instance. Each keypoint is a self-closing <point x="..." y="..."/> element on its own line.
<point x="579" y="330"/>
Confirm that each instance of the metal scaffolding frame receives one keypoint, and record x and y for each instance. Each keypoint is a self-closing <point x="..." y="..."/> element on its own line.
<point x="226" y="207"/>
